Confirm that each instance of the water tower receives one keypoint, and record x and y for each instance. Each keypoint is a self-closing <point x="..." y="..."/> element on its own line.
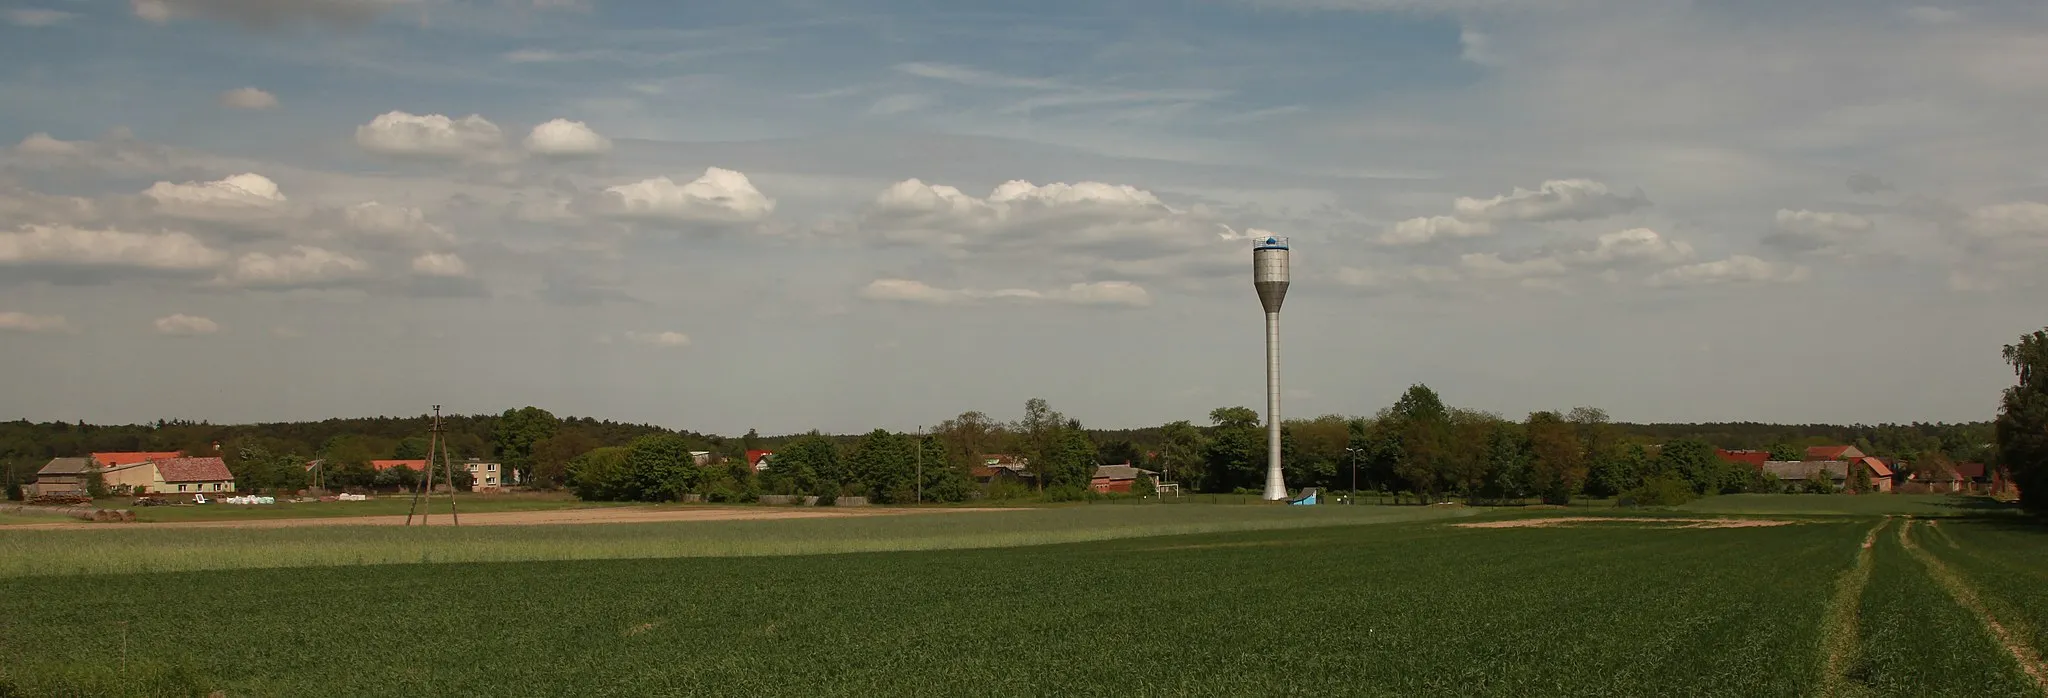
<point x="1269" y="276"/>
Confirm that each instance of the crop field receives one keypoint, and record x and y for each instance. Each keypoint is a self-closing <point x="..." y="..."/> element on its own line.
<point x="1182" y="600"/>
<point x="380" y="505"/>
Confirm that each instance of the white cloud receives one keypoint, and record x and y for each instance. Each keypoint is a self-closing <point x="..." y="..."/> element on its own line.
<point x="1093" y="228"/>
<point x="1932" y="15"/>
<point x="1806" y="231"/>
<point x="2018" y="221"/>
<point x="1635" y="245"/>
<point x="265" y="14"/>
<point x="247" y="98"/>
<point x="565" y="138"/>
<point x="401" y="224"/>
<point x="40" y="143"/>
<point x="444" y="264"/>
<point x="1735" y="269"/>
<point x="1415" y="231"/>
<point x="38" y="17"/>
<point x="1100" y="293"/>
<point x="182" y="325"/>
<point x="301" y="267"/>
<point x="721" y="195"/>
<point x="430" y="135"/>
<point x="75" y="247"/>
<point x="1400" y="277"/>
<point x="659" y="339"/>
<point x="16" y="321"/>
<point x="1555" y="200"/>
<point x="245" y="190"/>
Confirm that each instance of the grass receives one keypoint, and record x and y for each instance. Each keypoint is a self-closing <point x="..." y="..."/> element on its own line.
<point x="115" y="549"/>
<point x="1917" y="642"/>
<point x="1408" y="609"/>
<point x="6" y="518"/>
<point x="1846" y="505"/>
<point x="2005" y="567"/>
<point x="379" y="505"/>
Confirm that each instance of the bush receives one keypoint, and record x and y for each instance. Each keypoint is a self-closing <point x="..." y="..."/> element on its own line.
<point x="1661" y="491"/>
<point x="1002" y="489"/>
<point x="14" y="493"/>
<point x="1069" y="493"/>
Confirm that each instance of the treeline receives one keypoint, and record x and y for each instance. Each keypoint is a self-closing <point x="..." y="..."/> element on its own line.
<point x="1418" y="445"/>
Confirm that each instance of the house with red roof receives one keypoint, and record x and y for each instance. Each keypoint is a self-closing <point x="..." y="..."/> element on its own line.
<point x="1753" y="459"/>
<point x="1834" y="453"/>
<point x="416" y="464"/>
<point x="759" y="459"/>
<point x="119" y="458"/>
<point x="194" y="475"/>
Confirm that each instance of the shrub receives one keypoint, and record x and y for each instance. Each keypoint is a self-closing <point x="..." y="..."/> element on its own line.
<point x="1660" y="491"/>
<point x="1069" y="493"/>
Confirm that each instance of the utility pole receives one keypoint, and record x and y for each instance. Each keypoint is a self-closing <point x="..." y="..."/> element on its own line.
<point x="435" y="444"/>
<point x="1353" y="450"/>
<point x="920" y="464"/>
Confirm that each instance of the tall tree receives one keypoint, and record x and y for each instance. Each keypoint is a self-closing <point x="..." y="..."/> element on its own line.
<point x="2022" y="425"/>
<point x="661" y="468"/>
<point x="946" y="475"/>
<point x="1038" y="435"/>
<point x="1236" y="453"/>
<point x="551" y="456"/>
<point x="1695" y="462"/>
<point x="751" y="441"/>
<point x="1421" y="429"/>
<point x="601" y="475"/>
<point x="970" y="436"/>
<point x="1183" y="452"/>
<point x="1071" y="460"/>
<point x="810" y="464"/>
<point x="1559" y="467"/>
<point x="883" y="466"/>
<point x="516" y="433"/>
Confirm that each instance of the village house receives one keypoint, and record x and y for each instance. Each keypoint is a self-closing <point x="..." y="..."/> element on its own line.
<point x="1753" y="459"/>
<point x="61" y="476"/>
<point x="1120" y="478"/>
<point x="1828" y="453"/>
<point x="414" y="464"/>
<point x="1834" y="472"/>
<point x="759" y="459"/>
<point x="997" y="467"/>
<point x="487" y="476"/>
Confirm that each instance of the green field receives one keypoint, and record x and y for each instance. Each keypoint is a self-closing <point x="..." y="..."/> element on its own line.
<point x="1924" y="505"/>
<point x="1086" y="600"/>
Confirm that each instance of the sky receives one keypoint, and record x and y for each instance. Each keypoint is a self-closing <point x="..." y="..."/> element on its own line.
<point x="795" y="214"/>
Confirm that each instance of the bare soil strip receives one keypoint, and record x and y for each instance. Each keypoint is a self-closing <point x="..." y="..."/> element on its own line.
<point x="1567" y="520"/>
<point x="1838" y="634"/>
<point x="2014" y="643"/>
<point x="525" y="518"/>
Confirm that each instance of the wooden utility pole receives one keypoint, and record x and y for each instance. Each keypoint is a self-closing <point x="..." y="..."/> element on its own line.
<point x="437" y="449"/>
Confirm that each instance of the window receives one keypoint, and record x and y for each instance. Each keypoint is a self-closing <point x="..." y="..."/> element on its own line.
<point x="492" y="467"/>
<point x="181" y="488"/>
<point x="216" y="487"/>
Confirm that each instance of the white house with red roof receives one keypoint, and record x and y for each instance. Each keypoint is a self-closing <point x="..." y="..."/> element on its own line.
<point x="163" y="472"/>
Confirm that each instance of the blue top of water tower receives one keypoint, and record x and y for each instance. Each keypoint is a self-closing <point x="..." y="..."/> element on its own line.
<point x="1270" y="243"/>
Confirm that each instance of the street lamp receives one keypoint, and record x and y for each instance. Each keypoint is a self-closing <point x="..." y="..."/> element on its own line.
<point x="1353" y="450"/>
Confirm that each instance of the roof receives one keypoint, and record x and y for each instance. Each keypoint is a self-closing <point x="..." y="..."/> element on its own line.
<point x="1754" y="458"/>
<point x="1877" y="467"/>
<point x="1001" y="459"/>
<point x="193" y="470"/>
<point x="413" y="463"/>
<point x="113" y="458"/>
<point x="1829" y="452"/>
<point x="755" y="456"/>
<point x="66" y="466"/>
<point x="1120" y="472"/>
<point x="1807" y="469"/>
<point x="1970" y="470"/>
<point x="985" y="471"/>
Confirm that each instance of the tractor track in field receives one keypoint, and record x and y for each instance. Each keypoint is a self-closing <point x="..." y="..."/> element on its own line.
<point x="1959" y="589"/>
<point x="1838" y="638"/>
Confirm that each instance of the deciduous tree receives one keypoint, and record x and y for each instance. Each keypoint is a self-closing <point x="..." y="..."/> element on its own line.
<point x="2022" y="425"/>
<point x="1559" y="466"/>
<point x="1236" y="453"/>
<point x="516" y="433"/>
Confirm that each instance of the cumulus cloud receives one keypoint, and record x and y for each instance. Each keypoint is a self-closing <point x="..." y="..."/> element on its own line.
<point x="401" y="225"/>
<point x="1738" y="269"/>
<point x="720" y="196"/>
<point x="563" y="138"/>
<point x="660" y="339"/>
<point x="2023" y="221"/>
<point x="301" y="267"/>
<point x="430" y="136"/>
<point x="442" y="264"/>
<point x="37" y="17"/>
<point x="247" y="189"/>
<point x="247" y="98"/>
<point x="40" y="143"/>
<point x="182" y="325"/>
<point x="66" y="246"/>
<point x="1809" y="231"/>
<point x="1415" y="231"/>
<point x="1489" y="265"/>
<point x="1099" y="293"/>
<point x="1635" y="245"/>
<point x="265" y="14"/>
<point x="16" y="321"/>
<point x="1102" y="230"/>
<point x="1555" y="200"/>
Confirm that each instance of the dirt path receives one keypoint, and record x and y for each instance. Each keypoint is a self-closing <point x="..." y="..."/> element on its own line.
<point x="526" y="518"/>
<point x="1838" y="634"/>
<point x="1959" y="589"/>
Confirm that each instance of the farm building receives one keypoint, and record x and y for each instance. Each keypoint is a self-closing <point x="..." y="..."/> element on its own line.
<point x="1843" y="453"/>
<point x="1754" y="459"/>
<point x="996" y="467"/>
<point x="61" y="476"/>
<point x="209" y="475"/>
<point x="759" y="459"/>
<point x="1120" y="478"/>
<point x="1836" y="472"/>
